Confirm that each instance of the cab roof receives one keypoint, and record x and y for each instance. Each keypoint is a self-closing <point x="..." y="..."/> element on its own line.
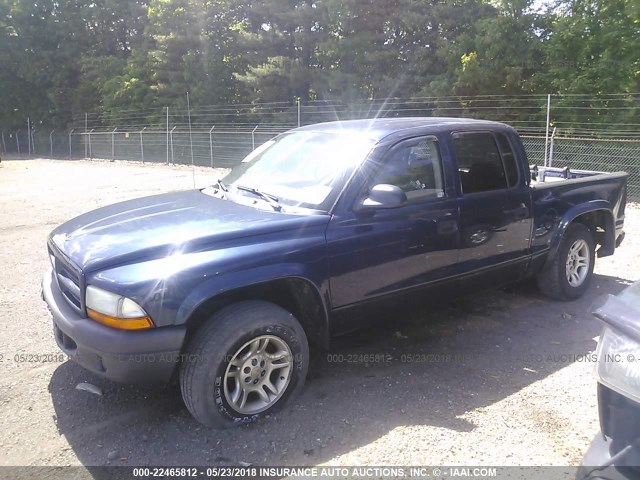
<point x="378" y="128"/>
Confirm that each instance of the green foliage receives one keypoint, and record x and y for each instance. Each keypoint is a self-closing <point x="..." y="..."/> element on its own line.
<point x="599" y="45"/>
<point x="594" y="49"/>
<point x="61" y="58"/>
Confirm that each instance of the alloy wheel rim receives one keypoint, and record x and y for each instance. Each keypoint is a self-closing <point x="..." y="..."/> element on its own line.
<point x="258" y="374"/>
<point x="578" y="260"/>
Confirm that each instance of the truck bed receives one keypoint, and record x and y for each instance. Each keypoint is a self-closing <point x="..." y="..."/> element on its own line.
<point x="541" y="175"/>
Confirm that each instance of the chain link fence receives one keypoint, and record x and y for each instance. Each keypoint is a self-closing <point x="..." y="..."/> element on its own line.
<point x="582" y="132"/>
<point x="214" y="148"/>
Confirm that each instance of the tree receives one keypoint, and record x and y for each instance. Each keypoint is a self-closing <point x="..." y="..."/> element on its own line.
<point x="594" y="49"/>
<point x="499" y="52"/>
<point x="61" y="58"/>
<point x="189" y="43"/>
<point x="47" y="46"/>
<point x="280" y="43"/>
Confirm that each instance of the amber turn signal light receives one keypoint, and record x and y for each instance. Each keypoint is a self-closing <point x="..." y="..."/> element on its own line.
<point x="139" y="323"/>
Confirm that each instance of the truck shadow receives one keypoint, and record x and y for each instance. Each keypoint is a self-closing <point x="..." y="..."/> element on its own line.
<point x="426" y="366"/>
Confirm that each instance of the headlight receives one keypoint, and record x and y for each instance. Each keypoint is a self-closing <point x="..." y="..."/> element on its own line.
<point x="618" y="365"/>
<point x="115" y="310"/>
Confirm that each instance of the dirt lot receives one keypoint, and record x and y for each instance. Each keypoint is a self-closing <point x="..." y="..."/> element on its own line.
<point x="507" y="382"/>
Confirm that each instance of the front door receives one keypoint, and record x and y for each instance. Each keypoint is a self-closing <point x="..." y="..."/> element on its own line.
<point x="394" y="250"/>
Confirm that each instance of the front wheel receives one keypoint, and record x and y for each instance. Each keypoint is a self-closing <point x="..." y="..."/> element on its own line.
<point x="248" y="360"/>
<point x="569" y="274"/>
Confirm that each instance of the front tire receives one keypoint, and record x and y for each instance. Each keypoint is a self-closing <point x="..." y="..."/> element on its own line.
<point x="248" y="360"/>
<point x="569" y="274"/>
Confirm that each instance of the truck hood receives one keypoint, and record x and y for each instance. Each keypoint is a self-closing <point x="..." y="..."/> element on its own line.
<point x="160" y="225"/>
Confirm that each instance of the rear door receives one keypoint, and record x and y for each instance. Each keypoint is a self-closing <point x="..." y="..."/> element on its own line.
<point x="495" y="208"/>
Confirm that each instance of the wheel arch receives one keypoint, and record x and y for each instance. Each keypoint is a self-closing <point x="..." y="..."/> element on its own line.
<point x="597" y="217"/>
<point x="297" y="295"/>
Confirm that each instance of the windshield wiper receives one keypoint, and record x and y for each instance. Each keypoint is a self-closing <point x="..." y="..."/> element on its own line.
<point x="267" y="197"/>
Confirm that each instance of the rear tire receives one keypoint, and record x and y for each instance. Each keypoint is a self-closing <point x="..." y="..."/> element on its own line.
<point x="569" y="274"/>
<point x="248" y="360"/>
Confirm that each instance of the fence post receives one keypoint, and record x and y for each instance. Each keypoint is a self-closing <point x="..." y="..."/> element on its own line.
<point x="546" y="135"/>
<point x="142" y="143"/>
<point x="298" y="100"/>
<point x="4" y="145"/>
<point x="553" y="136"/>
<point x="190" y="136"/>
<point x="211" y="144"/>
<point x="113" y="144"/>
<point x="51" y="143"/>
<point x="253" y="138"/>
<point x="167" y="135"/>
<point x="86" y="122"/>
<point x="90" y="146"/>
<point x="29" y="136"/>
<point x="70" y="132"/>
<point x="33" y="142"/>
<point x="18" y="141"/>
<point x="171" y="140"/>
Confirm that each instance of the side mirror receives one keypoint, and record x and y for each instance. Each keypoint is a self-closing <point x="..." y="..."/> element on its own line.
<point x="382" y="196"/>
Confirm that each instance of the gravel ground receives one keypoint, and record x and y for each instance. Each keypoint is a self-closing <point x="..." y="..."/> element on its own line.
<point x="496" y="378"/>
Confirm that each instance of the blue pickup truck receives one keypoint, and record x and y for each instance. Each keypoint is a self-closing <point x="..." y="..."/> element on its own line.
<point x="307" y="238"/>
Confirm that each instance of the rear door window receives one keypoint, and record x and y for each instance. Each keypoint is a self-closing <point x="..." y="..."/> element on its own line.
<point x="479" y="162"/>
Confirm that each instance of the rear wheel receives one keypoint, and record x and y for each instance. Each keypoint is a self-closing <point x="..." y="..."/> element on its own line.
<point x="569" y="274"/>
<point x="248" y="360"/>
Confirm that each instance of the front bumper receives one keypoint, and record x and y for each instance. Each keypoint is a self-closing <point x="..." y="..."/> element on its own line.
<point x="122" y="356"/>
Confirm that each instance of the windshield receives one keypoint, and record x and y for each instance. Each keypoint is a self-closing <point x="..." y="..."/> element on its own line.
<point x="302" y="169"/>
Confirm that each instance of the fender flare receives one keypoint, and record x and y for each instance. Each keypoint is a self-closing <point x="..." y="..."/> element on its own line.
<point x="218" y="286"/>
<point x="573" y="213"/>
